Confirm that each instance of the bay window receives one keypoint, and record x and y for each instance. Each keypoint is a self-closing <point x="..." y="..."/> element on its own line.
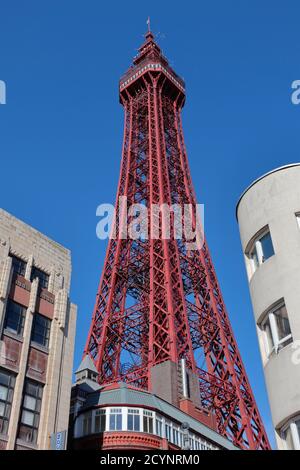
<point x="15" y="317"/>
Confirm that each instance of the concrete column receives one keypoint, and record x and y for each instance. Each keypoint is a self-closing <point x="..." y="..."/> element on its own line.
<point x="18" y="391"/>
<point x="29" y="267"/>
<point x="55" y="412"/>
<point x="5" y="281"/>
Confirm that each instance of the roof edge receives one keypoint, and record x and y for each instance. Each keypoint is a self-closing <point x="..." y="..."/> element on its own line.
<point x="290" y="165"/>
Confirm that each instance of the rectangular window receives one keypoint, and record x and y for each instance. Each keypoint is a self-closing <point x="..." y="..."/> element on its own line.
<point x="42" y="277"/>
<point x="18" y="265"/>
<point x="159" y="425"/>
<point x="41" y="330"/>
<point x="115" y="419"/>
<point x="298" y="218"/>
<point x="100" y="421"/>
<point x="133" y="420"/>
<point x="30" y="412"/>
<point x="276" y="328"/>
<point x="15" y="317"/>
<point x="168" y="432"/>
<point x="7" y="383"/>
<point x="148" y="421"/>
<point x="262" y="249"/>
<point x="87" y="424"/>
<point x="266" y="246"/>
<point x="175" y="436"/>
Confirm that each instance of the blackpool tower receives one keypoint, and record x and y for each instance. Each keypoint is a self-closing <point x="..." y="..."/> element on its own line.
<point x="159" y="325"/>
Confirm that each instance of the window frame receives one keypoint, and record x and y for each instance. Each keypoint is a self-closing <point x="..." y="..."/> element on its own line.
<point x="148" y="418"/>
<point x="21" y="320"/>
<point x="46" y="334"/>
<point x="270" y="318"/>
<point x="36" y="412"/>
<point x="42" y="276"/>
<point x="135" y="413"/>
<point x="254" y="250"/>
<point x="101" y="415"/>
<point x="19" y="265"/>
<point x="7" y="402"/>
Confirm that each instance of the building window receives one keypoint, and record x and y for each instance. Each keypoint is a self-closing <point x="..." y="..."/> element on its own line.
<point x="175" y="436"/>
<point x="7" y="383"/>
<point x="291" y="435"/>
<point x="262" y="249"/>
<point x="115" y="419"/>
<point x="276" y="328"/>
<point x="42" y="277"/>
<point x="18" y="265"/>
<point x="148" y="421"/>
<point x="298" y="218"/>
<point x="133" y="420"/>
<point x="30" y="412"/>
<point x="41" y="330"/>
<point x="15" y="317"/>
<point x="100" y="421"/>
<point x="168" y="431"/>
<point x="87" y="424"/>
<point x="159" y="426"/>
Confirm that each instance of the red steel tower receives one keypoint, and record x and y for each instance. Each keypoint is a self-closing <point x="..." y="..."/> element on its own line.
<point x="159" y="307"/>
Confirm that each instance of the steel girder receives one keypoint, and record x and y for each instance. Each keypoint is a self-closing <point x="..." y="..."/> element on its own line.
<point x="157" y="300"/>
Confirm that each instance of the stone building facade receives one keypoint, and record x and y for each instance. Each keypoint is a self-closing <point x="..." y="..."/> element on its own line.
<point x="37" y="331"/>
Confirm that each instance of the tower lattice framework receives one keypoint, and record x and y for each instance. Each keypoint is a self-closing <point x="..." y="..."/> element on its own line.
<point x="157" y="299"/>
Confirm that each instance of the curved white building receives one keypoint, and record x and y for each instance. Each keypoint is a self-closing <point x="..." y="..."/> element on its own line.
<point x="268" y="214"/>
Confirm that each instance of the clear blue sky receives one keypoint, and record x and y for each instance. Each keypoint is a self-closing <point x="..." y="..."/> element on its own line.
<point x="61" y="129"/>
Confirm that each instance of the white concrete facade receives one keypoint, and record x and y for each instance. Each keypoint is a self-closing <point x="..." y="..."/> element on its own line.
<point x="22" y="356"/>
<point x="268" y="220"/>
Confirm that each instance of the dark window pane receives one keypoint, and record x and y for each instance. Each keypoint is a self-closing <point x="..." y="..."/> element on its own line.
<point x="7" y="382"/>
<point x="15" y="317"/>
<point x="283" y="324"/>
<point x="130" y="423"/>
<point x="136" y="423"/>
<point x="267" y="246"/>
<point x="41" y="275"/>
<point x="18" y="265"/>
<point x="30" y="413"/>
<point x="41" y="330"/>
<point x="119" y="422"/>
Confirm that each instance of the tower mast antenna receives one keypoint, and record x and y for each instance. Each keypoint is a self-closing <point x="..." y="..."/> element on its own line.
<point x="148" y="24"/>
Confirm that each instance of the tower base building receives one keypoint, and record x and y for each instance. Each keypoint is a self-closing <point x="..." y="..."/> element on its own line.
<point x="123" y="417"/>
